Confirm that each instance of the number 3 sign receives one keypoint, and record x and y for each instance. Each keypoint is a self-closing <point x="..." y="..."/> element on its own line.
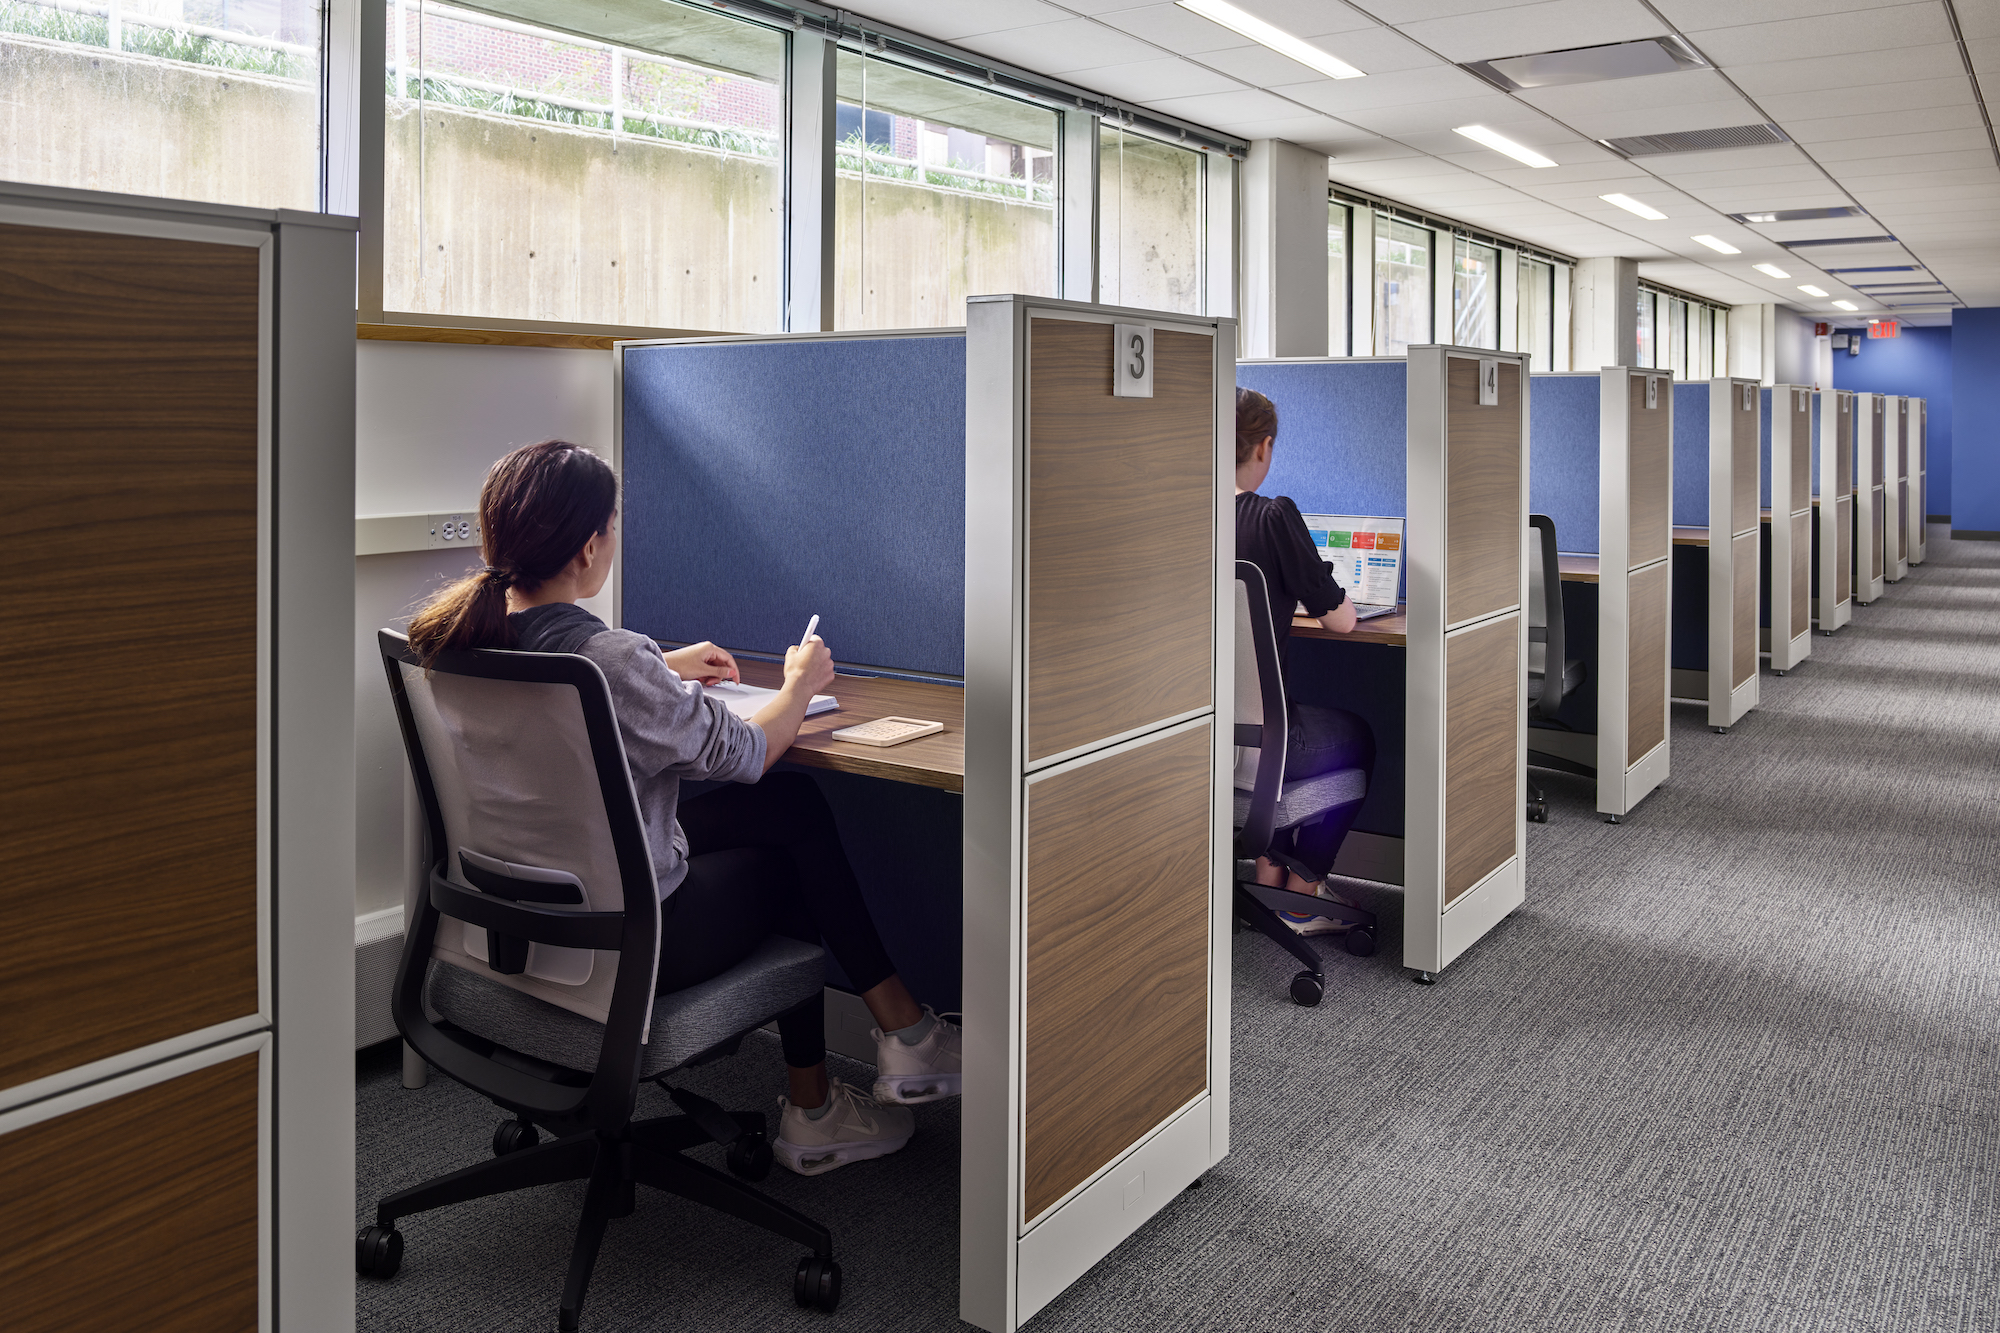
<point x="1132" y="361"/>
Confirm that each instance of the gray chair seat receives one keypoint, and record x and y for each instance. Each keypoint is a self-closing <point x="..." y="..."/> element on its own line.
<point x="780" y="973"/>
<point x="1572" y="677"/>
<point x="1309" y="798"/>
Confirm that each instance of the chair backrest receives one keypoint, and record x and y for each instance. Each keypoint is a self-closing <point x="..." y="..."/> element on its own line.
<point x="538" y="875"/>
<point x="1548" y="646"/>
<point x="1261" y="725"/>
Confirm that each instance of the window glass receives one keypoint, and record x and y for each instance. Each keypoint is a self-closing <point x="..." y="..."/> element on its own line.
<point x="1338" y="266"/>
<point x="1535" y="314"/>
<point x="1702" y="340"/>
<point x="1149" y="216"/>
<point x="212" y="100"/>
<point x="1475" y="294"/>
<point x="942" y="191"/>
<point x="1402" y="286"/>
<point x="1646" y="340"/>
<point x="1677" y="343"/>
<point x="632" y="176"/>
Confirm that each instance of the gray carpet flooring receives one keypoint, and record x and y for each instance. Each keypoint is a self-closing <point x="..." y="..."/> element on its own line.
<point x="1731" y="1067"/>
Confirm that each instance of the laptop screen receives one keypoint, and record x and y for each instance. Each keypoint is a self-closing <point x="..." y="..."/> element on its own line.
<point x="1366" y="554"/>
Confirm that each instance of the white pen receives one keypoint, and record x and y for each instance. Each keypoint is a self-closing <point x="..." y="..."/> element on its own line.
<point x="811" y="625"/>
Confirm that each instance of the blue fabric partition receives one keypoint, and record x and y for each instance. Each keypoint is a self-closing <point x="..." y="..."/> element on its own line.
<point x="1764" y="451"/>
<point x="1343" y="433"/>
<point x="1691" y="454"/>
<point x="1563" y="441"/>
<point x="768" y="482"/>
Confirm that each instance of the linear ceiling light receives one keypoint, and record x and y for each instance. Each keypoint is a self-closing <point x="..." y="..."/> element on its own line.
<point x="1847" y="305"/>
<point x="1631" y="205"/>
<point x="1773" y="271"/>
<point x="1266" y="34"/>
<point x="1811" y="290"/>
<point x="1716" y="244"/>
<point x="1500" y="143"/>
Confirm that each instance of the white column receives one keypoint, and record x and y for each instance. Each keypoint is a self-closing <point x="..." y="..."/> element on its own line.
<point x="809" y="281"/>
<point x="1283" y="299"/>
<point x="1604" y="314"/>
<point x="1507" y="290"/>
<point x="1361" y="288"/>
<point x="1749" y="343"/>
<point x="1224" y="265"/>
<point x="1080" y="211"/>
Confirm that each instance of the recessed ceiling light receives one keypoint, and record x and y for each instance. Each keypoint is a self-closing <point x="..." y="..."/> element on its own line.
<point x="1847" y="305"/>
<point x="1500" y="143"/>
<point x="1772" y="270"/>
<point x="1588" y="64"/>
<point x="1267" y="34"/>
<point x="1811" y="290"/>
<point x="1716" y="244"/>
<point x="1631" y="205"/>
<point x="1797" y="214"/>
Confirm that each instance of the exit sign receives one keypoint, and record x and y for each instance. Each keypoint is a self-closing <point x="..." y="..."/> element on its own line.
<point x="1883" y="328"/>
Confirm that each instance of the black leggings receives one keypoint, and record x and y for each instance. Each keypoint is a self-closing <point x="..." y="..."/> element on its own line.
<point x="765" y="859"/>
<point x="1321" y="740"/>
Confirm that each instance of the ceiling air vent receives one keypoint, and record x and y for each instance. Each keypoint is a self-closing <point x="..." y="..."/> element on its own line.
<point x="1697" y="141"/>
<point x="1589" y="64"/>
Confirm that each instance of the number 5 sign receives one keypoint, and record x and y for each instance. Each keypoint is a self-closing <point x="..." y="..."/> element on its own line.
<point x="1132" y="361"/>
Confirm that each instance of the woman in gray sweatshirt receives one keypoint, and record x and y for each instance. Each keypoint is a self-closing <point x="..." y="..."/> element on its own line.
<point x="737" y="864"/>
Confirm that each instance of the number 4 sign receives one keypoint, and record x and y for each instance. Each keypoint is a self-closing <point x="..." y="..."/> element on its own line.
<point x="1132" y="361"/>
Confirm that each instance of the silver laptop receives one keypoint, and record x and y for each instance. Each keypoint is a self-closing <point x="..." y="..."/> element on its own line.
<point x="1366" y="556"/>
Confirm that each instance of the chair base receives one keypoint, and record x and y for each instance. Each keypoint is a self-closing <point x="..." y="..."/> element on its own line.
<point x="648" y="1152"/>
<point x="1259" y="904"/>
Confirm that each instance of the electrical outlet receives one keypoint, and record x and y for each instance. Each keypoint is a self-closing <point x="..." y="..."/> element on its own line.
<point x="453" y="530"/>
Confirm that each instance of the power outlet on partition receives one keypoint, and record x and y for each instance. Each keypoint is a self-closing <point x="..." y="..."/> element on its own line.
<point x="454" y="529"/>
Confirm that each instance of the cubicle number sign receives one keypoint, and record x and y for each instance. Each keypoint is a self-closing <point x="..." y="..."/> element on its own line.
<point x="1489" y="382"/>
<point x="1133" y="361"/>
<point x="1652" y="393"/>
<point x="1749" y="397"/>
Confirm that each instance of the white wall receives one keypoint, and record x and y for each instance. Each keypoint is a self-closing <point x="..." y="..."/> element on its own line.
<point x="1793" y="354"/>
<point x="430" y="419"/>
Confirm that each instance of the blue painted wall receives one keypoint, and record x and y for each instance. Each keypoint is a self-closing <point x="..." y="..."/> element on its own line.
<point x="1919" y="364"/>
<point x="1975" y="391"/>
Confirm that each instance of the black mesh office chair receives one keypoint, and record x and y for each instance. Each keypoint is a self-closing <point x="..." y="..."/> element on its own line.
<point x="527" y="974"/>
<point x="1547" y="643"/>
<point x="1271" y="804"/>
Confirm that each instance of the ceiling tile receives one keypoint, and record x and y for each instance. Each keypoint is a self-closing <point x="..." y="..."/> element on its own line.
<point x="1398" y="88"/>
<point x="1056" y="48"/>
<point x="1975" y="154"/>
<point x="1259" y="66"/>
<point x="1979" y="20"/>
<point x="1867" y="30"/>
<point x="1298" y="127"/>
<point x="1308" y="18"/>
<point x="1173" y="28"/>
<point x="1378" y="50"/>
<point x="1443" y="115"/>
<point x="1552" y="25"/>
<point x="1144" y="80"/>
<point x="1904" y="64"/>
<point x="1218" y="109"/>
<point x="949" y="20"/>
<point x="1877" y="124"/>
<point x="1676" y="166"/>
<point x="1843" y="97"/>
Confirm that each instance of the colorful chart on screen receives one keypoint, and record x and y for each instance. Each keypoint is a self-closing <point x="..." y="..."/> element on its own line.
<point x="1366" y="554"/>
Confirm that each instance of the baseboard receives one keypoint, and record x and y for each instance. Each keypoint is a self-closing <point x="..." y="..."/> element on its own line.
<point x="1373" y="856"/>
<point x="378" y="946"/>
<point x="1970" y="535"/>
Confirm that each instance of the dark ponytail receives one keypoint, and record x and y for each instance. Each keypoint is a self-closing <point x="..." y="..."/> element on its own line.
<point x="1256" y="421"/>
<point x="538" y="508"/>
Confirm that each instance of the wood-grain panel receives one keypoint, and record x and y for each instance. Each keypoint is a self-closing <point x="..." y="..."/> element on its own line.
<point x="128" y="482"/>
<point x="1117" y="942"/>
<point x="1745" y="458"/>
<point x="1743" y="571"/>
<point x="1483" y="520"/>
<point x="1482" y="707"/>
<point x="1121" y="524"/>
<point x="136" y="1213"/>
<point x="1650" y="475"/>
<point x="1801" y="573"/>
<point x="1843" y="569"/>
<point x="1875" y="535"/>
<point x="1649" y="603"/>
<point x="1843" y="449"/>
<point x="1801" y="420"/>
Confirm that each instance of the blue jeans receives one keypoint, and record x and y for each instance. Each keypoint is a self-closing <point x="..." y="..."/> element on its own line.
<point x="1321" y="740"/>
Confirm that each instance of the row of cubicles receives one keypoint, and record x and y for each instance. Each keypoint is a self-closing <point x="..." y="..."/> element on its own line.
<point x="1024" y="529"/>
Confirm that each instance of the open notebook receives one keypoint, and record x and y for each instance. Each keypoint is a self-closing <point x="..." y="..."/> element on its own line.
<point x="744" y="700"/>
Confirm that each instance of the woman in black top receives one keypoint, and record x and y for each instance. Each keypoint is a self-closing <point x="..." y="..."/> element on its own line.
<point x="1272" y="535"/>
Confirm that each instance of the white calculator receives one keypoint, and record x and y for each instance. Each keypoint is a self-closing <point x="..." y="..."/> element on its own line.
<point x="887" y="731"/>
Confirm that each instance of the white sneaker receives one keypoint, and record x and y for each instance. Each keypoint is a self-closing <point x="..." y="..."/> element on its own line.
<point x="1302" y="923"/>
<point x="855" y="1128"/>
<point x="930" y="1070"/>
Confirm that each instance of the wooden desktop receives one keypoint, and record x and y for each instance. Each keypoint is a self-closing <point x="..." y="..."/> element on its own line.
<point x="937" y="760"/>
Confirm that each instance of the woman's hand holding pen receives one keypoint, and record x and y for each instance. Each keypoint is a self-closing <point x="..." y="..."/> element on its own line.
<point x="703" y="662"/>
<point x="809" y="666"/>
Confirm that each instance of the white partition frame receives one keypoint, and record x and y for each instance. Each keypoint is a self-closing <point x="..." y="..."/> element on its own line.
<point x="1830" y="609"/>
<point x="1011" y="1265"/>
<point x="1787" y="650"/>
<point x="1728" y="702"/>
<point x="1919" y="489"/>
<point x="1622" y="784"/>
<point x="1895" y="421"/>
<point x="1867" y="497"/>
<point x="1437" y="929"/>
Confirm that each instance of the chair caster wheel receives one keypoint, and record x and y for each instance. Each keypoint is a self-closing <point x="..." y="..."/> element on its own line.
<point x="816" y="1286"/>
<point x="1307" y="990"/>
<point x="749" y="1158"/>
<point x="1360" y="942"/>
<point x="511" y="1136"/>
<point x="1424" y="978"/>
<point x="1538" y="813"/>
<point x="378" y="1252"/>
